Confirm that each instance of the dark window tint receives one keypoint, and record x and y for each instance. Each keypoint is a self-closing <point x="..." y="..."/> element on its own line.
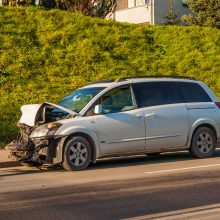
<point x="117" y="100"/>
<point x="156" y="93"/>
<point x="193" y="92"/>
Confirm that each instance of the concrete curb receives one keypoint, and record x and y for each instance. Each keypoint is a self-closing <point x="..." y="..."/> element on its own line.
<point x="6" y="161"/>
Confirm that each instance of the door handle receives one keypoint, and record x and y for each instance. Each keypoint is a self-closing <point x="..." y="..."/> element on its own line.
<point x="138" y="116"/>
<point x="150" y="115"/>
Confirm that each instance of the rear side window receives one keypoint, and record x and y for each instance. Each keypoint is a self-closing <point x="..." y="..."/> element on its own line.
<point x="156" y="93"/>
<point x="192" y="92"/>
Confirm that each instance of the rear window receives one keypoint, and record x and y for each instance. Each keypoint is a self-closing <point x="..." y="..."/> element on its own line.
<point x="192" y="92"/>
<point x="156" y="93"/>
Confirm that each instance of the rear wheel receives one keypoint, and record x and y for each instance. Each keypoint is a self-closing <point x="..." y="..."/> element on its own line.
<point x="203" y="143"/>
<point x="77" y="154"/>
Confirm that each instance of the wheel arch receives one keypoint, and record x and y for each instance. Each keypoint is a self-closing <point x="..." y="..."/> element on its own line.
<point x="196" y="126"/>
<point x="206" y="125"/>
<point x="88" y="137"/>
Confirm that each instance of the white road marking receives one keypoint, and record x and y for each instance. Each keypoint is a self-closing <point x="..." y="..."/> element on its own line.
<point x="184" y="168"/>
<point x="196" y="213"/>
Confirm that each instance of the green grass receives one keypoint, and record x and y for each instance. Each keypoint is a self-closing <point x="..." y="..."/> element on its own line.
<point x="44" y="55"/>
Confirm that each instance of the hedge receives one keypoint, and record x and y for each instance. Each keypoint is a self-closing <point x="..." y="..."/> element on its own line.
<point x="45" y="55"/>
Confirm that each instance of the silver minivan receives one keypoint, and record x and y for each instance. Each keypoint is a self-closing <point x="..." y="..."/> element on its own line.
<point x="128" y="116"/>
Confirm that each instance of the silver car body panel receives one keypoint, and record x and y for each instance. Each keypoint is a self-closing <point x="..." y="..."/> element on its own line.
<point x="83" y="125"/>
<point x="30" y="112"/>
<point x="150" y="129"/>
<point x="121" y="132"/>
<point x="166" y="126"/>
<point x="201" y="114"/>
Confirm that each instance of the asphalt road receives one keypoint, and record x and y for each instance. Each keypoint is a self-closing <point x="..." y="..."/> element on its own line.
<point x="171" y="186"/>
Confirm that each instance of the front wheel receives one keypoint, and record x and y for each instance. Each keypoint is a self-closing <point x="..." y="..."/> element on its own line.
<point x="77" y="154"/>
<point x="203" y="143"/>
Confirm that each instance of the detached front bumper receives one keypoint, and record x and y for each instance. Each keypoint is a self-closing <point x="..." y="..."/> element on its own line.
<point x="20" y="150"/>
<point x="37" y="151"/>
<point x="45" y="149"/>
<point x="36" y="144"/>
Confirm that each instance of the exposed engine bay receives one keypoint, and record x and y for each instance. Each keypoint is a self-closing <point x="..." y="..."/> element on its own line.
<point x="38" y="151"/>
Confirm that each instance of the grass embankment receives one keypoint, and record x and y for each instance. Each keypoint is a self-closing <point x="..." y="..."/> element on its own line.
<point x="44" y="55"/>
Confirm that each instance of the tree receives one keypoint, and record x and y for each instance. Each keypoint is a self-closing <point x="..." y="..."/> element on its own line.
<point x="206" y="13"/>
<point x="16" y="3"/>
<point x="94" y="8"/>
<point x="171" y="17"/>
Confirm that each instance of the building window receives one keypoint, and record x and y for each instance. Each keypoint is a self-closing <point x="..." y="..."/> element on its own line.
<point x="141" y="2"/>
<point x="122" y="4"/>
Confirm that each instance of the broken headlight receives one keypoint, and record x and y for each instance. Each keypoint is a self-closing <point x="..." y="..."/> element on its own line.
<point x="45" y="130"/>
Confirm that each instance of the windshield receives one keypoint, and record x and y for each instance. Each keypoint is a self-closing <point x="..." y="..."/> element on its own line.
<point x="77" y="100"/>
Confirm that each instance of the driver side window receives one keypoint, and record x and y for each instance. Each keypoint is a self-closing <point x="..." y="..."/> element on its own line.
<point x="117" y="100"/>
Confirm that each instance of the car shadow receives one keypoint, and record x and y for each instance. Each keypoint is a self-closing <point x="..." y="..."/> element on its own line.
<point x="140" y="160"/>
<point x="114" y="162"/>
<point x="7" y="164"/>
<point x="16" y="171"/>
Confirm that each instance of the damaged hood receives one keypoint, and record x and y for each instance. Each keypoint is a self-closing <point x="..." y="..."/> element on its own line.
<point x="31" y="112"/>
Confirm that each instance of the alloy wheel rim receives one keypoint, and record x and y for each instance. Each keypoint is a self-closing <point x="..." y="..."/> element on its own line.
<point x="78" y="154"/>
<point x="204" y="142"/>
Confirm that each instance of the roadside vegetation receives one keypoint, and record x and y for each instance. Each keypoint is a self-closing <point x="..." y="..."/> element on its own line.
<point x="45" y="55"/>
<point x="206" y="13"/>
<point x="94" y="8"/>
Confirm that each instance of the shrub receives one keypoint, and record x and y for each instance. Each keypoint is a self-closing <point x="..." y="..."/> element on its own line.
<point x="45" y="55"/>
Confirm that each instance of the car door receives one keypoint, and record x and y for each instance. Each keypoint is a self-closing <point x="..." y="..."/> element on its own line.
<point x="120" y="126"/>
<point x="166" y="116"/>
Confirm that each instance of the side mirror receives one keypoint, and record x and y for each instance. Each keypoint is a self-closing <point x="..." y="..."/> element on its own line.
<point x="98" y="109"/>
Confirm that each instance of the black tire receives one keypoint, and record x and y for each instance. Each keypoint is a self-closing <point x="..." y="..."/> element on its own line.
<point x="203" y="143"/>
<point x="153" y="154"/>
<point x="77" y="154"/>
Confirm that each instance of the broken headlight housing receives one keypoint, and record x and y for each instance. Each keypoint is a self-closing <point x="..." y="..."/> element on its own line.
<point x="46" y="130"/>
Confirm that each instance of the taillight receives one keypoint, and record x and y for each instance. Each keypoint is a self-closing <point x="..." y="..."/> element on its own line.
<point x="218" y="104"/>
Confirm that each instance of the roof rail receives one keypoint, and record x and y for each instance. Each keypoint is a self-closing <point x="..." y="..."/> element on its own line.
<point x="161" y="76"/>
<point x="102" y="81"/>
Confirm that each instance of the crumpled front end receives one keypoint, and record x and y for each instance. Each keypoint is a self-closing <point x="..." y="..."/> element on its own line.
<point x="35" y="151"/>
<point x="22" y="148"/>
<point x="35" y="143"/>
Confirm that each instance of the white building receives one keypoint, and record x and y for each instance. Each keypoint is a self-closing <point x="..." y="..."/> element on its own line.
<point x="148" y="11"/>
